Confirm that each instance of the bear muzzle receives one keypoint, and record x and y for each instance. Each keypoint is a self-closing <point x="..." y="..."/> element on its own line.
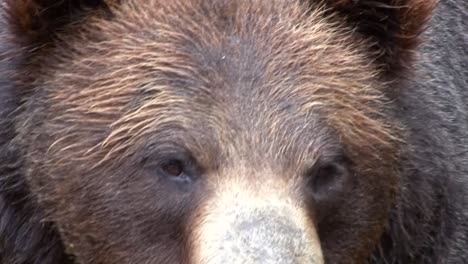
<point x="243" y="229"/>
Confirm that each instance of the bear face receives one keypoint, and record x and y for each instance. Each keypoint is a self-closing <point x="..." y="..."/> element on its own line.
<point x="208" y="131"/>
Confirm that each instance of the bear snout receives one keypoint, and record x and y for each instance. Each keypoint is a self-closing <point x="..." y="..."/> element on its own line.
<point x="256" y="230"/>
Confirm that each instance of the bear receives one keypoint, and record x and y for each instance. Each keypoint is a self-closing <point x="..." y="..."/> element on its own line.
<point x="233" y="131"/>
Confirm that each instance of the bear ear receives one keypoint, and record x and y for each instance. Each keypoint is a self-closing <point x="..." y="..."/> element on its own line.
<point x="392" y="26"/>
<point x="36" y="20"/>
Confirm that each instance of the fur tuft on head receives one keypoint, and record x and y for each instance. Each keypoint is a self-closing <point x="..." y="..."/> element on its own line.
<point x="392" y="26"/>
<point x="36" y="20"/>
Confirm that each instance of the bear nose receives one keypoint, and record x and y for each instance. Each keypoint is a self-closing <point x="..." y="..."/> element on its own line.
<point x="268" y="234"/>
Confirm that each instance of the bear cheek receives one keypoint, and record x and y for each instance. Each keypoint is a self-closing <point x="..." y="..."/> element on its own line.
<point x="240" y="226"/>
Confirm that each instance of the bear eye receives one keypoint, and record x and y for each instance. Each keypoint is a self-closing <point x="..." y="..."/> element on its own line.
<point x="173" y="168"/>
<point x="324" y="178"/>
<point x="327" y="179"/>
<point x="182" y="171"/>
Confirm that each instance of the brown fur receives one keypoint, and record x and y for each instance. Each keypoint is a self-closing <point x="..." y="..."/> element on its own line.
<point x="394" y="26"/>
<point x="243" y="86"/>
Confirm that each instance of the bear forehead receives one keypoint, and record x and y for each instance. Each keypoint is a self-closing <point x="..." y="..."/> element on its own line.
<point x="194" y="71"/>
